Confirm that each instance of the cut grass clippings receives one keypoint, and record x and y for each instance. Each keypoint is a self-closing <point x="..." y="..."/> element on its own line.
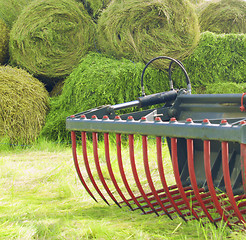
<point x="41" y="197"/>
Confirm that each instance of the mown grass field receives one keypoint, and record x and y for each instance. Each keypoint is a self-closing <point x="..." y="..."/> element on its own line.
<point x="41" y="197"/>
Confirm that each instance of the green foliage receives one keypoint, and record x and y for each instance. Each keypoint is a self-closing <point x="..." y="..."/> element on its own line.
<point x="4" y="41"/>
<point x="50" y="37"/>
<point x="225" y="87"/>
<point x="99" y="80"/>
<point x="141" y="30"/>
<point x="11" y="9"/>
<point x="223" y="16"/>
<point x="218" y="58"/>
<point x="23" y="105"/>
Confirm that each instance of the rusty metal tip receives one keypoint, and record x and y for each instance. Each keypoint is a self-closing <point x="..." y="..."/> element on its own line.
<point x="72" y="116"/>
<point x="94" y="117"/>
<point x="130" y="118"/>
<point x="224" y="121"/>
<point x="117" y="118"/>
<point x="173" y="119"/>
<point x="143" y="118"/>
<point x="206" y="120"/>
<point x="242" y="122"/>
<point x="83" y="116"/>
<point x="105" y="117"/>
<point x="189" y="120"/>
<point x="157" y="119"/>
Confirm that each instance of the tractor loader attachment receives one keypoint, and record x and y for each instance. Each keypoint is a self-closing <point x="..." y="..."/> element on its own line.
<point x="205" y="139"/>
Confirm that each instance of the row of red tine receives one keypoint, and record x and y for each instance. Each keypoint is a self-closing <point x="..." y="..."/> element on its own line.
<point x="171" y="199"/>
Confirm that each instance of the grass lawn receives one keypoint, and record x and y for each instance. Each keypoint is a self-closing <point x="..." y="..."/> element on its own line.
<point x="41" y="197"/>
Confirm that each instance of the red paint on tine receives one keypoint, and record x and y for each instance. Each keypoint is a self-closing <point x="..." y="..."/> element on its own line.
<point x="148" y="175"/>
<point x="135" y="174"/>
<point x="98" y="167"/>
<point x="177" y="176"/>
<point x="207" y="166"/>
<point x="87" y="166"/>
<point x="122" y="172"/>
<point x="163" y="179"/>
<point x="111" y="174"/>
<point x="73" y="138"/>
<point x="190" y="157"/>
<point x="243" y="165"/>
<point x="227" y="180"/>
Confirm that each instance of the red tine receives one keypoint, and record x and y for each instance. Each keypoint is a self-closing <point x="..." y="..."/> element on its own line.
<point x="227" y="180"/>
<point x="190" y="157"/>
<point x="243" y="164"/>
<point x="207" y="166"/>
<point x="98" y="167"/>
<point x="122" y="172"/>
<point x="163" y="179"/>
<point x="148" y="175"/>
<point x="73" y="138"/>
<point x="107" y="156"/>
<point x="87" y="166"/>
<point x="135" y="174"/>
<point x="177" y="176"/>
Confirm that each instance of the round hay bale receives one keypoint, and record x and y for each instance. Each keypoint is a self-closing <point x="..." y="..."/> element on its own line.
<point x="4" y="42"/>
<point x="50" y="37"/>
<point x="23" y="105"/>
<point x="95" y="7"/>
<point x="223" y="16"/>
<point x="141" y="30"/>
<point x="99" y="80"/>
<point x="11" y="9"/>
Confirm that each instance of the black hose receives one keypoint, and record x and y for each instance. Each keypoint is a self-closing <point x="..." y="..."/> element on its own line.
<point x="170" y="79"/>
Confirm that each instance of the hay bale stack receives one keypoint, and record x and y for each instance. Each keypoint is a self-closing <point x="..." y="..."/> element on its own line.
<point x="223" y="16"/>
<point x="4" y="42"/>
<point x="23" y="105"/>
<point x="95" y="7"/>
<point x="99" y="80"/>
<point x="50" y="37"/>
<point x="11" y="9"/>
<point x="141" y="30"/>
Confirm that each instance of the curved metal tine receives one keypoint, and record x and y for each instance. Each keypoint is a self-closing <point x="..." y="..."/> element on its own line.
<point x="227" y="180"/>
<point x="135" y="174"/>
<point x="73" y="138"/>
<point x="190" y="157"/>
<point x="107" y="156"/>
<point x="98" y="167"/>
<point x="163" y="179"/>
<point x="177" y="176"/>
<point x="122" y="172"/>
<point x="149" y="178"/>
<point x="87" y="166"/>
<point x="243" y="164"/>
<point x="207" y="166"/>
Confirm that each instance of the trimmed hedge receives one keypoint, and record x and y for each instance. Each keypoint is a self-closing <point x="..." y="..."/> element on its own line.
<point x="99" y="80"/>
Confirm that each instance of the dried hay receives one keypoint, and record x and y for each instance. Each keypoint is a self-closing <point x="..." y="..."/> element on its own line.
<point x="141" y="30"/>
<point x="223" y="16"/>
<point x="50" y="37"/>
<point x="23" y="105"/>
<point x="11" y="9"/>
<point x="4" y="42"/>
